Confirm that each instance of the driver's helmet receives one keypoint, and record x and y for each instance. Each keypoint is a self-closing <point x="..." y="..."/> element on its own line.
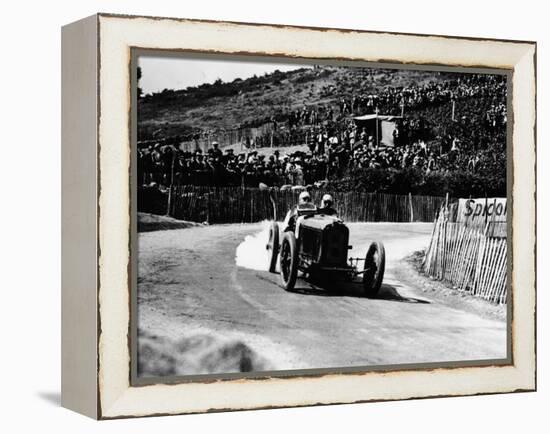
<point x="327" y="201"/>
<point x="304" y="198"/>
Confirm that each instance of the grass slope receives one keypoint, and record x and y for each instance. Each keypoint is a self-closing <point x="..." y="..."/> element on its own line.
<point x="228" y="105"/>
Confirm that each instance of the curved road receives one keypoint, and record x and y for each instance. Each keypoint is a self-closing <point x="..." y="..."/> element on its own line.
<point x="189" y="282"/>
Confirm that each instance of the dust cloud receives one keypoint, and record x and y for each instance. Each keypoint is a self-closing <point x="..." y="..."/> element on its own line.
<point x="252" y="252"/>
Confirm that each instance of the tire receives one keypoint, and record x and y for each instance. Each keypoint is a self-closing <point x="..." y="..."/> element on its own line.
<point x="375" y="264"/>
<point x="273" y="246"/>
<point x="288" y="262"/>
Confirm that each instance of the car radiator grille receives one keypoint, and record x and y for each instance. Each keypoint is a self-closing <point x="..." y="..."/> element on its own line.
<point x="336" y="244"/>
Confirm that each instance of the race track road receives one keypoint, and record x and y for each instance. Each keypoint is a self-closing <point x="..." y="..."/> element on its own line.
<point x="189" y="283"/>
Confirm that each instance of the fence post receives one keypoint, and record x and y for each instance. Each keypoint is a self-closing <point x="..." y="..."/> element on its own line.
<point x="485" y="211"/>
<point x="207" y="207"/>
<point x="169" y="202"/>
<point x="411" y="207"/>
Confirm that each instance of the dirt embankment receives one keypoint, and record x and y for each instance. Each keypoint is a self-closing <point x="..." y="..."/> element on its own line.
<point x="152" y="222"/>
<point x="195" y="354"/>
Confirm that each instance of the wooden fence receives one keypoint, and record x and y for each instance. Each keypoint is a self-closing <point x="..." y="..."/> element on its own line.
<point x="248" y="205"/>
<point x="471" y="258"/>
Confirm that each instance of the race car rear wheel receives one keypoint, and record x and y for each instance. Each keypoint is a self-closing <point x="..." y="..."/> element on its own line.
<point x="288" y="262"/>
<point x="273" y="246"/>
<point x="375" y="263"/>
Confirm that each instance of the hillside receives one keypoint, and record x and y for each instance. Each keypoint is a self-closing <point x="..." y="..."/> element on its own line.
<point x="253" y="101"/>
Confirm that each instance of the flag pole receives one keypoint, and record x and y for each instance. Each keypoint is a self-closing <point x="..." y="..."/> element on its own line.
<point x="377" y="144"/>
<point x="453" y="110"/>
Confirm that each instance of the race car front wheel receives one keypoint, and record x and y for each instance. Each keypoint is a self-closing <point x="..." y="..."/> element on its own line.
<point x="375" y="263"/>
<point x="288" y="262"/>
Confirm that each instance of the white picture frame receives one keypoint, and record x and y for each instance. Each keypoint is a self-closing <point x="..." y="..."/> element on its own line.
<point x="96" y="213"/>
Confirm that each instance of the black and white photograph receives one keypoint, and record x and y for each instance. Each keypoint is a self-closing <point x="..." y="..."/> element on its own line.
<point x="296" y="216"/>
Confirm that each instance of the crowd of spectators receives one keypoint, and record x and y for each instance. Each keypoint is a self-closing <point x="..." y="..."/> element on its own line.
<point x="292" y="126"/>
<point x="166" y="165"/>
<point x="473" y="139"/>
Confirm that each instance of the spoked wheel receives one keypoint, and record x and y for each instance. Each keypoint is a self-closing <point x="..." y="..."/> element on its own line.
<point x="375" y="263"/>
<point x="273" y="246"/>
<point x="288" y="262"/>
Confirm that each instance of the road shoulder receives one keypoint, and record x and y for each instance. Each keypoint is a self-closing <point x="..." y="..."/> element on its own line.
<point x="409" y="271"/>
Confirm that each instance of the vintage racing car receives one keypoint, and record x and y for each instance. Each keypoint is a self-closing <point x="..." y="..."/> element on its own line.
<point x="317" y="245"/>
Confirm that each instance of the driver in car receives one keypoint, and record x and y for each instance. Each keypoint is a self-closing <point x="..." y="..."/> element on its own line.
<point x="304" y="205"/>
<point x="326" y="207"/>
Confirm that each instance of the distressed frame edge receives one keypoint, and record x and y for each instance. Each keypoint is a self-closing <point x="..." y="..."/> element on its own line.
<point x="529" y="386"/>
<point x="304" y="27"/>
<point x="79" y="272"/>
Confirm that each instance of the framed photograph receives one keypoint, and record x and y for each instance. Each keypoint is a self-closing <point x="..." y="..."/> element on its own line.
<point x="263" y="216"/>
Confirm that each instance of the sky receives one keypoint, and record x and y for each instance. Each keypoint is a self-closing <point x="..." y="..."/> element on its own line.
<point x="170" y="72"/>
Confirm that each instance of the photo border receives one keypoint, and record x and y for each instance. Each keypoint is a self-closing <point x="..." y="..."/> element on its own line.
<point x="135" y="380"/>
